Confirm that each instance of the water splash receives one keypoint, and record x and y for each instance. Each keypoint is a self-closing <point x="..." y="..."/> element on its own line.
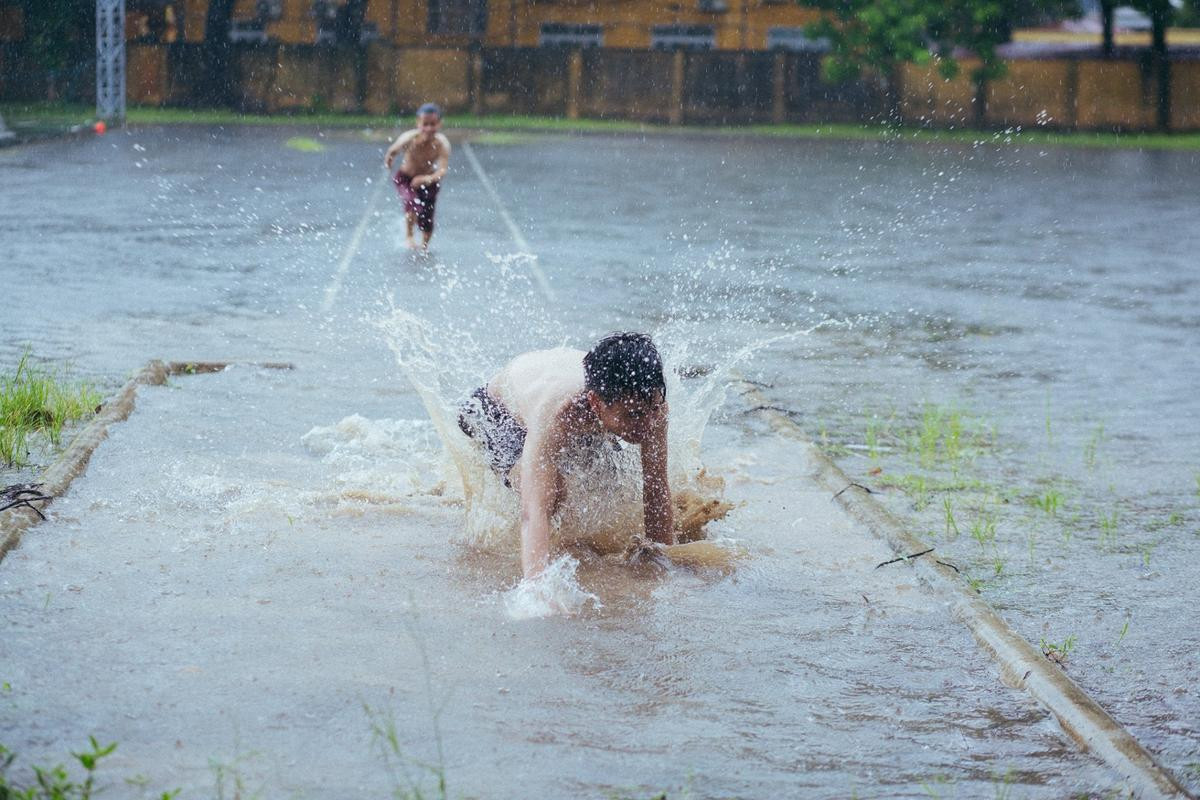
<point x="555" y="591"/>
<point x="379" y="460"/>
<point x="445" y="355"/>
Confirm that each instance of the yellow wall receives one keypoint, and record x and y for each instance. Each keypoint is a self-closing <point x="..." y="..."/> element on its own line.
<point x="1033" y="93"/>
<point x="1185" y="95"/>
<point x="928" y="97"/>
<point x="193" y="19"/>
<point x="296" y="24"/>
<point x="627" y="24"/>
<point x="258" y="68"/>
<point x="146" y="75"/>
<point x="1114" y="94"/>
<point x="439" y="76"/>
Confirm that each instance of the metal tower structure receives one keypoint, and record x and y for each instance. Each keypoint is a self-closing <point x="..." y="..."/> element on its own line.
<point x="110" y="60"/>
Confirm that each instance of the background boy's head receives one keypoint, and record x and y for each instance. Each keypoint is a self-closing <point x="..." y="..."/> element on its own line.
<point x="623" y="377"/>
<point x="429" y="118"/>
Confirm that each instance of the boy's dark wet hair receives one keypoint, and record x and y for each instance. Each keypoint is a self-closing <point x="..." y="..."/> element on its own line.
<point x="429" y="108"/>
<point x="625" y="365"/>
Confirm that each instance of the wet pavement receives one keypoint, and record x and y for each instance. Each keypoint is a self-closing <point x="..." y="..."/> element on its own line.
<point x="1048" y="295"/>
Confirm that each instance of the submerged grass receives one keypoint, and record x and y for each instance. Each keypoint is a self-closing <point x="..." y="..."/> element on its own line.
<point x="1050" y="501"/>
<point x="937" y="455"/>
<point x="1107" y="524"/>
<point x="35" y="400"/>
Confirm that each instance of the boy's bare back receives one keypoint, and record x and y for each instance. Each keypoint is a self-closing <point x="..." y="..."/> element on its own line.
<point x="538" y="405"/>
<point x="538" y="387"/>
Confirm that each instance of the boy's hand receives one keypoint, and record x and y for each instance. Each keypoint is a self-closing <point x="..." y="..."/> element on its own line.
<point x="643" y="551"/>
<point x="387" y="162"/>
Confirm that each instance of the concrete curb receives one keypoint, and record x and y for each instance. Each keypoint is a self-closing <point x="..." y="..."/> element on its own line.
<point x="72" y="461"/>
<point x="1021" y="665"/>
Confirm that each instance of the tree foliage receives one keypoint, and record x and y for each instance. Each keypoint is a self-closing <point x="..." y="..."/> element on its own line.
<point x="877" y="35"/>
<point x="217" y="51"/>
<point x="350" y="22"/>
<point x="60" y="34"/>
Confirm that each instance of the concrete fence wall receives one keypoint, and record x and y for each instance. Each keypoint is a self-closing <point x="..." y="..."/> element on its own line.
<point x="1064" y="93"/>
<point x="653" y="85"/>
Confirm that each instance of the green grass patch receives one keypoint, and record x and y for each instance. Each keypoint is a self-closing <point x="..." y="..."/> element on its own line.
<point x="1034" y="138"/>
<point x="1050" y="501"/>
<point x="1108" y="525"/>
<point x="57" y="783"/>
<point x="304" y="144"/>
<point x="503" y="138"/>
<point x="983" y="529"/>
<point x="916" y="481"/>
<point x="35" y="400"/>
<point x="1058" y="652"/>
<point x="46" y="114"/>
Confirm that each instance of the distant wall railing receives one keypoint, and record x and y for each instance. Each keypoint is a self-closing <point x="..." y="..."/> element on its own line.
<point x="722" y="87"/>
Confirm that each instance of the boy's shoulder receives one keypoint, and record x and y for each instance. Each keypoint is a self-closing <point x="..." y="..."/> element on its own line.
<point x="442" y="140"/>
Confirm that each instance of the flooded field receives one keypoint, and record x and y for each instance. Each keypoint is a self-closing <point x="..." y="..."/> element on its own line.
<point x="999" y="341"/>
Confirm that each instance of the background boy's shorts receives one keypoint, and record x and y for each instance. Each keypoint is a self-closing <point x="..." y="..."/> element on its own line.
<point x="418" y="201"/>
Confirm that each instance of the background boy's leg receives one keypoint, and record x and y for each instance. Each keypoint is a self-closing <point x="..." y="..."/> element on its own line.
<point x="409" y="220"/>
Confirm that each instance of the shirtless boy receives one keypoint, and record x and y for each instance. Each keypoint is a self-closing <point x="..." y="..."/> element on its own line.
<point x="426" y="157"/>
<point x="544" y="404"/>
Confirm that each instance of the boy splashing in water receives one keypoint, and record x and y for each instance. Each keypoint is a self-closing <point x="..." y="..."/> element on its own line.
<point x="543" y="405"/>
<point x="426" y="157"/>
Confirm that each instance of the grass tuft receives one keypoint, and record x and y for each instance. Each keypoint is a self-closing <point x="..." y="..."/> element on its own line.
<point x="34" y="400"/>
<point x="304" y="144"/>
<point x="56" y="783"/>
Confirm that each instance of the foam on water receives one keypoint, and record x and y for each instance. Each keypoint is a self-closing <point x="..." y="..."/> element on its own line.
<point x="555" y="591"/>
<point x="380" y="459"/>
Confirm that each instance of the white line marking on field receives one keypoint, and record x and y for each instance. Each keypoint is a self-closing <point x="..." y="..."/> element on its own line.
<point x="518" y="239"/>
<point x="335" y="285"/>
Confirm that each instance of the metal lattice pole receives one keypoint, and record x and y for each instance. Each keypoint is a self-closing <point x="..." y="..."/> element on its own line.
<point x="110" y="60"/>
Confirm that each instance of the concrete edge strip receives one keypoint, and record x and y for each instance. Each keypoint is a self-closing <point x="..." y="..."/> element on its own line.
<point x="1021" y="665"/>
<point x="74" y="459"/>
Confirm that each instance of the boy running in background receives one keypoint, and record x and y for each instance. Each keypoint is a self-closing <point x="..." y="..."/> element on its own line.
<point x="426" y="158"/>
<point x="543" y="405"/>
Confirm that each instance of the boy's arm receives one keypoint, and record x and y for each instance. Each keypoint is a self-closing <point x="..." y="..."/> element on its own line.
<point x="443" y="162"/>
<point x="658" y="513"/>
<point x="539" y="487"/>
<point x="398" y="147"/>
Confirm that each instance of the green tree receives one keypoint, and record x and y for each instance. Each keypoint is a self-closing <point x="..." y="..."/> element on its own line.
<point x="1162" y="14"/>
<point x="350" y="22"/>
<point x="1189" y="15"/>
<point x="60" y="37"/>
<point x="876" y="36"/>
<point x="218" y="52"/>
